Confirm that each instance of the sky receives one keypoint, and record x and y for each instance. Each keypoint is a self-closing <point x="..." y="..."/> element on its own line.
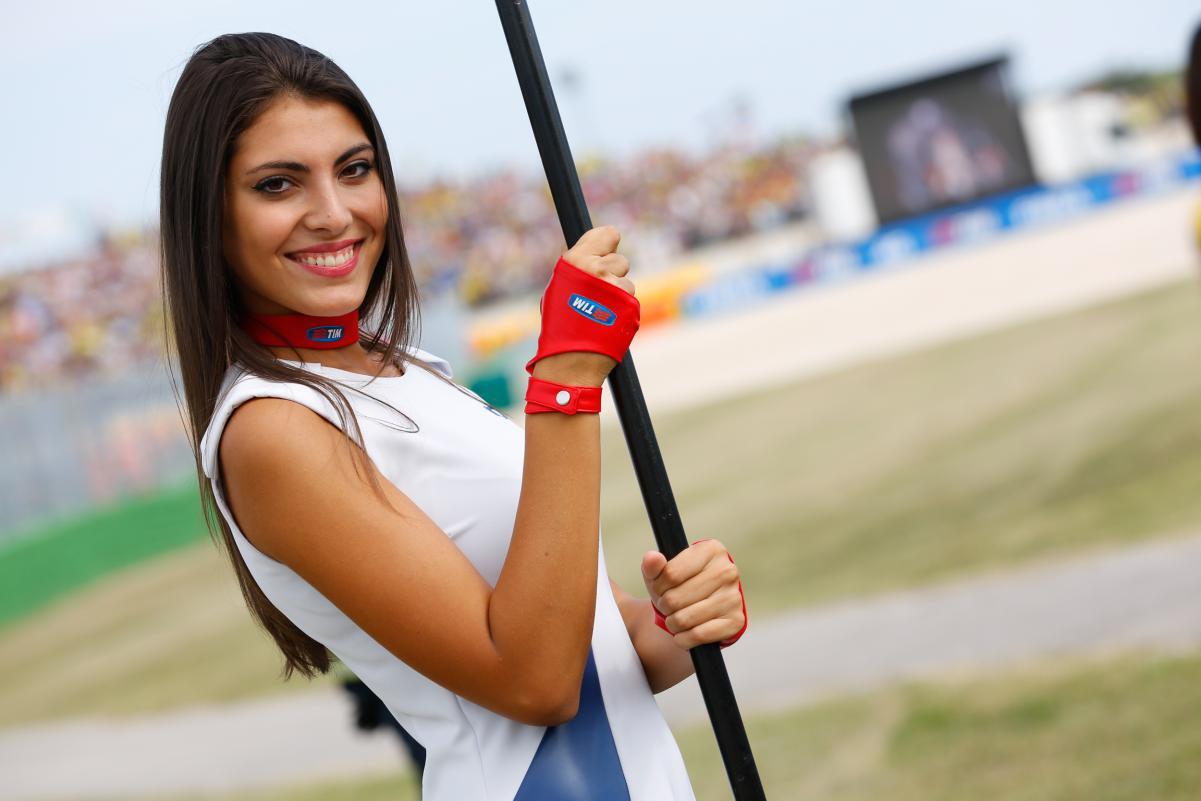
<point x="87" y="85"/>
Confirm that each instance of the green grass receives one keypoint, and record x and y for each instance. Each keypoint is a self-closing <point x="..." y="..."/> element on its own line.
<point x="170" y="631"/>
<point x="67" y="555"/>
<point x="1128" y="729"/>
<point x="1073" y="432"/>
<point x="1119" y="730"/>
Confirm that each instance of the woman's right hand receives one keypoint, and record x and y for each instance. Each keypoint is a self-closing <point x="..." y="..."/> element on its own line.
<point x="594" y="253"/>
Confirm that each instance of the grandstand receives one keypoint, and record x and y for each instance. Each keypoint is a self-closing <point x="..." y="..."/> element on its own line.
<point x="708" y="234"/>
<point x="479" y="242"/>
<point x="483" y="241"/>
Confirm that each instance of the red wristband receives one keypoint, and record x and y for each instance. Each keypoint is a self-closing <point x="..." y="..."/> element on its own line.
<point x="583" y="313"/>
<point x="661" y="619"/>
<point x="548" y="396"/>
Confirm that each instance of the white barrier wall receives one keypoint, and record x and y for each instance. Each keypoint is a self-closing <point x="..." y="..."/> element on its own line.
<point x="842" y="200"/>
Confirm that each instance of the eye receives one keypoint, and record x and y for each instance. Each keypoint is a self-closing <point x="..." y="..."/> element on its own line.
<point x="366" y="166"/>
<point x="265" y="184"/>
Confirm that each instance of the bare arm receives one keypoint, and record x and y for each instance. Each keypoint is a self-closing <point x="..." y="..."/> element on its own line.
<point x="519" y="648"/>
<point x="699" y="591"/>
<point x="664" y="663"/>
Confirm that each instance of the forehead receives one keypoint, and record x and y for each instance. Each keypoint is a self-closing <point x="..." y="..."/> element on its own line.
<point x="298" y="129"/>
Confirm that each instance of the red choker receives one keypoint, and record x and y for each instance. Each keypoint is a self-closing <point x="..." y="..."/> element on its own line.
<point x="303" y="330"/>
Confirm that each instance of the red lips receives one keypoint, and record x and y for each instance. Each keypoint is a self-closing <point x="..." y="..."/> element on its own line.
<point x="328" y="247"/>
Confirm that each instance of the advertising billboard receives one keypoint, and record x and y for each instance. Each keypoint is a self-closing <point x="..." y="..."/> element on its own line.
<point x="942" y="140"/>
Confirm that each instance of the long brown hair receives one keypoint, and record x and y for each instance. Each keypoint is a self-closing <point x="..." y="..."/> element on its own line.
<point x="225" y="85"/>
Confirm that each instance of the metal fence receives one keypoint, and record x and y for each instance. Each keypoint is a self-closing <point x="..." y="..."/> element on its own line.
<point x="92" y="442"/>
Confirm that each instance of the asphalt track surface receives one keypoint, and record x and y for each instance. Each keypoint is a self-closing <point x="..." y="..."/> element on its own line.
<point x="1142" y="598"/>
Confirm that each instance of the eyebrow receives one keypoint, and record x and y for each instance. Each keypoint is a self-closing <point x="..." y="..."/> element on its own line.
<point x="296" y="166"/>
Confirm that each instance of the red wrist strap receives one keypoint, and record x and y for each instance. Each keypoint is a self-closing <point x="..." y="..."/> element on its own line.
<point x="547" y="396"/>
<point x="581" y="312"/>
<point x="661" y="619"/>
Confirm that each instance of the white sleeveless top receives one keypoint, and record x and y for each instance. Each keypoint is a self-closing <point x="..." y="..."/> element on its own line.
<point x="462" y="464"/>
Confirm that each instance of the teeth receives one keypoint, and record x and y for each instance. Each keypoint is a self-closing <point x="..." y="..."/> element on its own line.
<point x="327" y="260"/>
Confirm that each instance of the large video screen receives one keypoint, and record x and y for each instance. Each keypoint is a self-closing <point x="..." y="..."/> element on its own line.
<point x="941" y="141"/>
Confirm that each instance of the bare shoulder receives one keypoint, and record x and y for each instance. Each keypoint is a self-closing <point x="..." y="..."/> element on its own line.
<point x="279" y="458"/>
<point x="271" y="432"/>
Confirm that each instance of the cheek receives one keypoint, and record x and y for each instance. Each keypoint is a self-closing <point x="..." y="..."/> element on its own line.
<point x="262" y="233"/>
<point x="374" y="210"/>
<point x="378" y="209"/>
<point x="258" y="232"/>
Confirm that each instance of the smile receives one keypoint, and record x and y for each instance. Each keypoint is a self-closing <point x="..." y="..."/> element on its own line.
<point x="335" y="264"/>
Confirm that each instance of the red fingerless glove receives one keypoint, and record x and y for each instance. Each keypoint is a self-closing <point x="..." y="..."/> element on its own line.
<point x="661" y="619"/>
<point x="581" y="312"/>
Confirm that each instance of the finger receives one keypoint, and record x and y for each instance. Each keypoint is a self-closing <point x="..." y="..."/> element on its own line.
<point x="615" y="264"/>
<point x="622" y="282"/>
<point x="653" y="563"/>
<point x="724" y="604"/>
<point x="687" y="563"/>
<point x="713" y="631"/>
<point x="599" y="241"/>
<point x="716" y="576"/>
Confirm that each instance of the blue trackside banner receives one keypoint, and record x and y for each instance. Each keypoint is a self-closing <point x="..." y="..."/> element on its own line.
<point x="592" y="310"/>
<point x="897" y="243"/>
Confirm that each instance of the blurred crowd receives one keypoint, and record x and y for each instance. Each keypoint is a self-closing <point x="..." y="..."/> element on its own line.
<point x="498" y="236"/>
<point x="97" y="314"/>
<point x="480" y="241"/>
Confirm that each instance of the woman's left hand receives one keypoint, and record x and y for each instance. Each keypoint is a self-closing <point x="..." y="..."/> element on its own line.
<point x="698" y="592"/>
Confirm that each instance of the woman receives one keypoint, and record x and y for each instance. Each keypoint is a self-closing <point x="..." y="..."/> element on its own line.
<point x="375" y="511"/>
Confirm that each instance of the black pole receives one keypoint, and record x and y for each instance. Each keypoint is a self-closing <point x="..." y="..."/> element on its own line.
<point x="627" y="394"/>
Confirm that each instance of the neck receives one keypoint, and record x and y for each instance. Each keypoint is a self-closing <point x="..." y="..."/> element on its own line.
<point x="330" y="341"/>
<point x="303" y="331"/>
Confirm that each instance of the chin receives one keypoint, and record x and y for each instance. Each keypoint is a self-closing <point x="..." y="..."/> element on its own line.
<point x="332" y="303"/>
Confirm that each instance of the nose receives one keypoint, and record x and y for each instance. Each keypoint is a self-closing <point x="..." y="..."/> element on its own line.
<point x="329" y="210"/>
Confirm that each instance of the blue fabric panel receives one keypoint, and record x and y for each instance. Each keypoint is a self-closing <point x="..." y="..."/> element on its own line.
<point x="577" y="761"/>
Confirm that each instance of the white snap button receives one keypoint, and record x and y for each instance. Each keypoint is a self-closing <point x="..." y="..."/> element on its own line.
<point x="562" y="397"/>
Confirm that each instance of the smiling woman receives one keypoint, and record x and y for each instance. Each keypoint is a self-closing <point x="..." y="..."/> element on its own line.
<point x="250" y="178"/>
<point x="297" y="227"/>
<point x="374" y="510"/>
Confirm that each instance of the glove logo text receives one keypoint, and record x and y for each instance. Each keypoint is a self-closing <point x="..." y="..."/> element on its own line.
<point x="592" y="310"/>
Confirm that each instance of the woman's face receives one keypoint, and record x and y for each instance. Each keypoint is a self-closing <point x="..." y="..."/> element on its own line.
<point x="302" y="178"/>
